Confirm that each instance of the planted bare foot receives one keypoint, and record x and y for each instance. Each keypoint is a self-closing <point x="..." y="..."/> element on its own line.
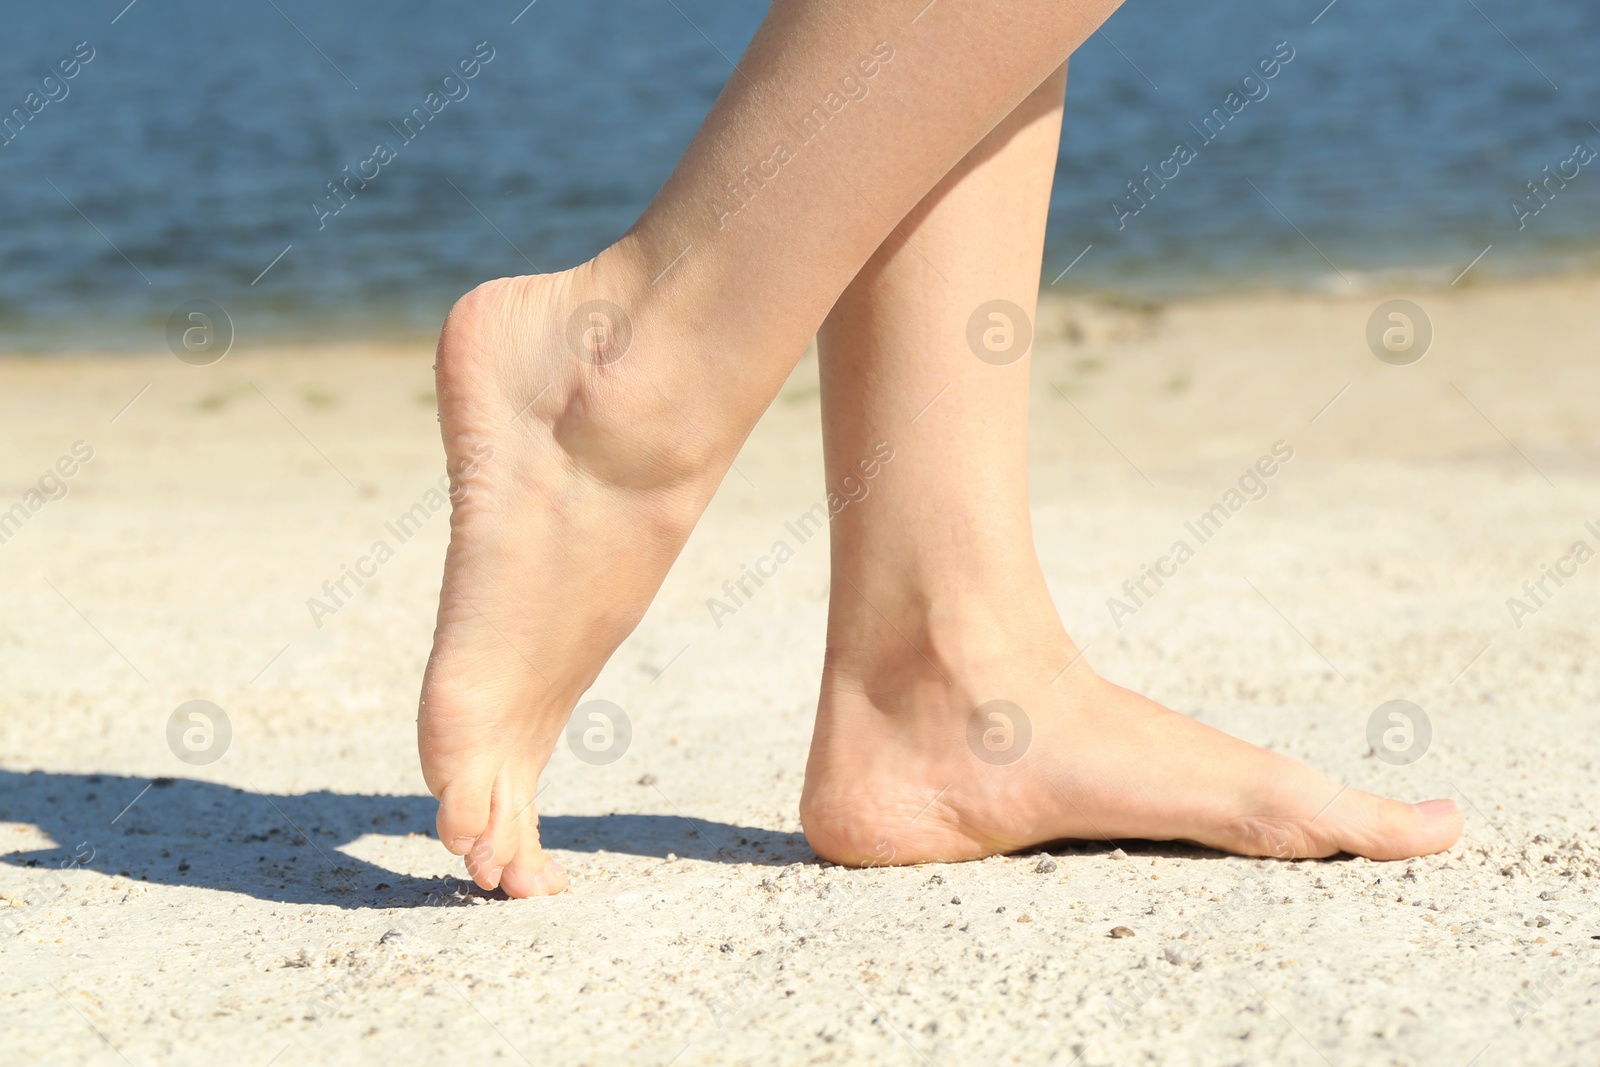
<point x="951" y="742"/>
<point x="574" y="486"/>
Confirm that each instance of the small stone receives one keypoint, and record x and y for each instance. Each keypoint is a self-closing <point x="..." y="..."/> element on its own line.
<point x="1000" y="910"/>
<point x="672" y="857"/>
<point x="726" y="947"/>
<point x="955" y="900"/>
<point x="1541" y="921"/>
<point x="647" y="779"/>
<point x="1024" y="918"/>
<point x="1552" y="894"/>
<point x="1046" y="865"/>
<point x="937" y="879"/>
<point x="1118" y="854"/>
<point x="1121" y="931"/>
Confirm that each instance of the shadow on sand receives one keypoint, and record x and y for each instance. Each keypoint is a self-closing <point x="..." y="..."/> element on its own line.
<point x="179" y="831"/>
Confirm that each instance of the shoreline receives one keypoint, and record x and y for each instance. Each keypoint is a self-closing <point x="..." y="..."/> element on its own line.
<point x="379" y="329"/>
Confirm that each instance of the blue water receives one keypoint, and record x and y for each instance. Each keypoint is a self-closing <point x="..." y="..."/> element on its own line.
<point x="183" y="156"/>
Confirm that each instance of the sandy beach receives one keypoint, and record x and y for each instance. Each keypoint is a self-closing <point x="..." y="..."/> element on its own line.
<point x="286" y="902"/>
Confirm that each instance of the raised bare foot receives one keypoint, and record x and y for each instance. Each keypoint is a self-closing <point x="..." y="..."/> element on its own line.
<point x="574" y="486"/>
<point x="952" y="743"/>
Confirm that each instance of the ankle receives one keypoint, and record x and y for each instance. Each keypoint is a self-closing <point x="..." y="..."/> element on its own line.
<point x="627" y="411"/>
<point x="954" y="616"/>
<point x="943" y="660"/>
<point x="621" y="274"/>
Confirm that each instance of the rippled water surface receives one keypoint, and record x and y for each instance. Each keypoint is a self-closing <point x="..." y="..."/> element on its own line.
<point x="183" y="158"/>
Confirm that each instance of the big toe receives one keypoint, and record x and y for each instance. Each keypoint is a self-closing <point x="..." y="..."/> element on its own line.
<point x="508" y="854"/>
<point x="532" y="872"/>
<point x="463" y="813"/>
<point x="1383" y="829"/>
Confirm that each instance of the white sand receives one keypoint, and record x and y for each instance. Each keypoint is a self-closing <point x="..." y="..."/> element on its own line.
<point x="699" y="928"/>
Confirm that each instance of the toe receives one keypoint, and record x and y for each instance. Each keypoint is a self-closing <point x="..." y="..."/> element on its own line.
<point x="533" y="873"/>
<point x="463" y="814"/>
<point x="484" y="865"/>
<point x="1383" y="829"/>
<point x="513" y="828"/>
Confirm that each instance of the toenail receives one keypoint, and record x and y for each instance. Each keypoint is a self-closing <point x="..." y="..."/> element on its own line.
<point x="461" y="845"/>
<point x="554" y="867"/>
<point x="1438" y="807"/>
<point x="492" y="876"/>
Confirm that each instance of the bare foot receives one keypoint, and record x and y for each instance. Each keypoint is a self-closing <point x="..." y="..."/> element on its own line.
<point x="912" y="763"/>
<point x="574" y="488"/>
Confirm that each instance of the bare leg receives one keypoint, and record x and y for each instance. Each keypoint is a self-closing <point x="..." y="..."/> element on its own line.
<point x="939" y="606"/>
<point x="586" y="438"/>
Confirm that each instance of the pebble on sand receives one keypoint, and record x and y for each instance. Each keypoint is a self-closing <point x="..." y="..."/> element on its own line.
<point x="1121" y="931"/>
<point x="1045" y="866"/>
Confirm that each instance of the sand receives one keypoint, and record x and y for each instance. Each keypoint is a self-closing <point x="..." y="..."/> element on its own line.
<point x="287" y="903"/>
